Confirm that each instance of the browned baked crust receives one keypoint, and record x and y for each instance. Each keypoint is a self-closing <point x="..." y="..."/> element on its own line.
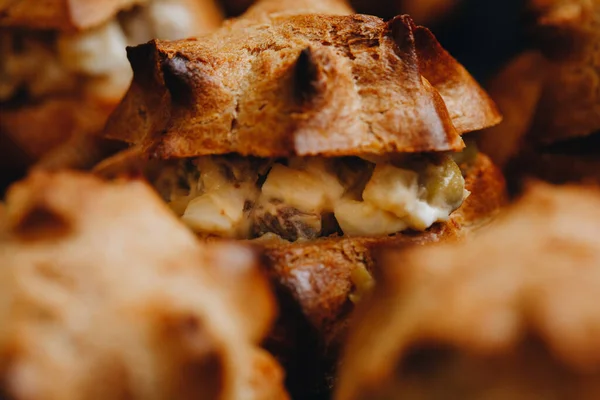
<point x="101" y="283"/>
<point x="551" y="99"/>
<point x="569" y="106"/>
<point x="512" y="311"/>
<point x="282" y="84"/>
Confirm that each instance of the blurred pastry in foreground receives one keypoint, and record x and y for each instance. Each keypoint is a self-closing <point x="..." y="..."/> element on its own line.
<point x="63" y="66"/>
<point x="512" y="314"/>
<point x="101" y="284"/>
<point x="551" y="102"/>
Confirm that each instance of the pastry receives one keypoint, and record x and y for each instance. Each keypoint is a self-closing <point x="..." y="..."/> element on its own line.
<point x="314" y="134"/>
<point x="550" y="98"/>
<point x="510" y="314"/>
<point x="63" y="66"/>
<point x="102" y="285"/>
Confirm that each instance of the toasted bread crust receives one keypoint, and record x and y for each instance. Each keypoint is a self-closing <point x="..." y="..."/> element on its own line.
<point x="300" y="85"/>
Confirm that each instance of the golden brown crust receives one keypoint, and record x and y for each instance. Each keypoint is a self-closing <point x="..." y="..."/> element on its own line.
<point x="469" y="106"/>
<point x="318" y="274"/>
<point x="101" y="283"/>
<point x="299" y="85"/>
<point x="570" y="103"/>
<point x="531" y="276"/>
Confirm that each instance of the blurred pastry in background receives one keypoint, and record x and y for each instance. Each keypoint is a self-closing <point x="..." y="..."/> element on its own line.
<point x="315" y="133"/>
<point x="516" y="90"/>
<point x="100" y="283"/>
<point x="551" y="102"/>
<point x="511" y="314"/>
<point x="63" y="65"/>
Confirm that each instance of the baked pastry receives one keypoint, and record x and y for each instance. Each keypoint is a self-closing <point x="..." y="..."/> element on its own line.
<point x="510" y="314"/>
<point x="313" y="133"/>
<point x="101" y="284"/>
<point x="555" y="107"/>
<point x="63" y="66"/>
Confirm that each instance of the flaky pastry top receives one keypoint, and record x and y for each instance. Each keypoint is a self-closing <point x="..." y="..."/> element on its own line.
<point x="274" y="83"/>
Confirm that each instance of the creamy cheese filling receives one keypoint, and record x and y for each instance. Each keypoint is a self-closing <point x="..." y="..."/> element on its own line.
<point x="306" y="198"/>
<point x="43" y="63"/>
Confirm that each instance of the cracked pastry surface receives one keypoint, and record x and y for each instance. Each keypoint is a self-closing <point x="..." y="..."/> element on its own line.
<point x="102" y="284"/>
<point x="509" y="313"/>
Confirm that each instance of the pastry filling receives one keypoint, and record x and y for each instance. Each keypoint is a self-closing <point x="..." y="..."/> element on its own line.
<point x="311" y="197"/>
<point x="48" y="63"/>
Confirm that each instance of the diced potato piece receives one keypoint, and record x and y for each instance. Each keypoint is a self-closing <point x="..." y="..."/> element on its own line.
<point x="220" y="213"/>
<point x="298" y="189"/>
<point x="332" y="185"/>
<point x="358" y="218"/>
<point x="396" y="190"/>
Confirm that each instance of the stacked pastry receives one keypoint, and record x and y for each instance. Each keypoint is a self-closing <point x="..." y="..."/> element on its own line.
<point x="510" y="315"/>
<point x="550" y="98"/>
<point x="63" y="66"/>
<point x="96" y="304"/>
<point x="316" y="134"/>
